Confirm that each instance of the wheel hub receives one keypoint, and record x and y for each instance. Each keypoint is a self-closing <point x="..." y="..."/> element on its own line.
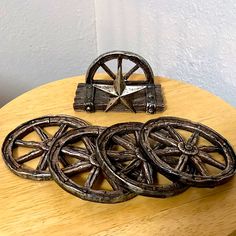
<point x="187" y="148"/>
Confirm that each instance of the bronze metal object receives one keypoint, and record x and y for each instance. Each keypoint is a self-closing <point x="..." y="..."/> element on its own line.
<point x="119" y="93"/>
<point x="35" y="149"/>
<point x="82" y="160"/>
<point x="121" y="158"/>
<point x="203" y="157"/>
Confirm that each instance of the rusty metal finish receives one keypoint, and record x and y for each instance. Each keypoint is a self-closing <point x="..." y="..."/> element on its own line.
<point x="203" y="157"/>
<point x="121" y="158"/>
<point x="82" y="161"/>
<point x="119" y="93"/>
<point x="36" y="149"/>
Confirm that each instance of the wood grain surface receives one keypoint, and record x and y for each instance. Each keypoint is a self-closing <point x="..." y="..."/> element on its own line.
<point x="43" y="208"/>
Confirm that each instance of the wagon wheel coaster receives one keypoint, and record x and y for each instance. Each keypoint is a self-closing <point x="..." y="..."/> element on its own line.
<point x="25" y="148"/>
<point x="120" y="92"/>
<point x="83" y="177"/>
<point x="124" y="162"/>
<point x="204" y="157"/>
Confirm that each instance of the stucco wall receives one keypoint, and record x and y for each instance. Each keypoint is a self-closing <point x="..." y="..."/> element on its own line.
<point x="190" y="40"/>
<point x="42" y="41"/>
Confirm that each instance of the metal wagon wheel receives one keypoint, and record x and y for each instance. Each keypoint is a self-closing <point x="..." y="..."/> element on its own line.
<point x="83" y="161"/>
<point x="120" y="56"/>
<point x="124" y="162"/>
<point x="211" y="164"/>
<point x="36" y="149"/>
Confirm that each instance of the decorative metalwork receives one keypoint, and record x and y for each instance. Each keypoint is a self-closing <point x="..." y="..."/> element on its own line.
<point x="203" y="159"/>
<point x="114" y="164"/>
<point x="119" y="93"/>
<point x="36" y="149"/>
<point x="121" y="158"/>
<point x="82" y="160"/>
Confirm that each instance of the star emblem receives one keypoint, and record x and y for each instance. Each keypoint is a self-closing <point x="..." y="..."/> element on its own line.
<point x="120" y="91"/>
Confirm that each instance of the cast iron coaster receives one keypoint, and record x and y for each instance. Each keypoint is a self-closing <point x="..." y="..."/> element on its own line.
<point x="120" y="92"/>
<point x="35" y="149"/>
<point x="124" y="162"/>
<point x="206" y="153"/>
<point x="83" y="176"/>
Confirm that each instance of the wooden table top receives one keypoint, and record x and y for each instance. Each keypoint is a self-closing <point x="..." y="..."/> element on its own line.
<point x="43" y="208"/>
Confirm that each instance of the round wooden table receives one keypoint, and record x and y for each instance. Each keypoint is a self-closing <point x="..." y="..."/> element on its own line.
<point x="43" y="208"/>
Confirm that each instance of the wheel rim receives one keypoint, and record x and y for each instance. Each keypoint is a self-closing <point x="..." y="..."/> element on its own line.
<point x="190" y="153"/>
<point x="37" y="149"/>
<point x="139" y="62"/>
<point x="85" y="162"/>
<point x="134" y="171"/>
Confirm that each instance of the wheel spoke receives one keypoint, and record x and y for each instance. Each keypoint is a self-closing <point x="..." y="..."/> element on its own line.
<point x="119" y="84"/>
<point x="209" y="149"/>
<point x="123" y="142"/>
<point x="205" y="157"/>
<point x="119" y="66"/>
<point x="114" y="186"/>
<point x="140" y="177"/>
<point x="139" y="154"/>
<point x="155" y="176"/>
<point x="28" y="144"/>
<point x="131" y="166"/>
<point x="170" y="160"/>
<point x="62" y="129"/>
<point x="136" y="135"/>
<point x="121" y="156"/>
<point x="63" y="161"/>
<point x="88" y="144"/>
<point x="93" y="175"/>
<point x="130" y="72"/>
<point x="182" y="162"/>
<point x="199" y="165"/>
<point x="77" y="168"/>
<point x="76" y="152"/>
<point x="194" y="138"/>
<point x="163" y="139"/>
<point x="148" y="172"/>
<point x="108" y="71"/>
<point x="41" y="133"/>
<point x="134" y="174"/>
<point x="168" y="151"/>
<point x="120" y="167"/>
<point x="129" y="138"/>
<point x="158" y="146"/>
<point x="29" y="156"/>
<point x="190" y="169"/>
<point x="174" y="134"/>
<point x="42" y="165"/>
<point x="164" y="132"/>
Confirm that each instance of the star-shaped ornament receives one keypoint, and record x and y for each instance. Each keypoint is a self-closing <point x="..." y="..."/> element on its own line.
<point x="119" y="90"/>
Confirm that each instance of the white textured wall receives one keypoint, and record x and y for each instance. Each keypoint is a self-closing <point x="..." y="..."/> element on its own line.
<point x="190" y="40"/>
<point x="42" y="41"/>
<point x="46" y="40"/>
